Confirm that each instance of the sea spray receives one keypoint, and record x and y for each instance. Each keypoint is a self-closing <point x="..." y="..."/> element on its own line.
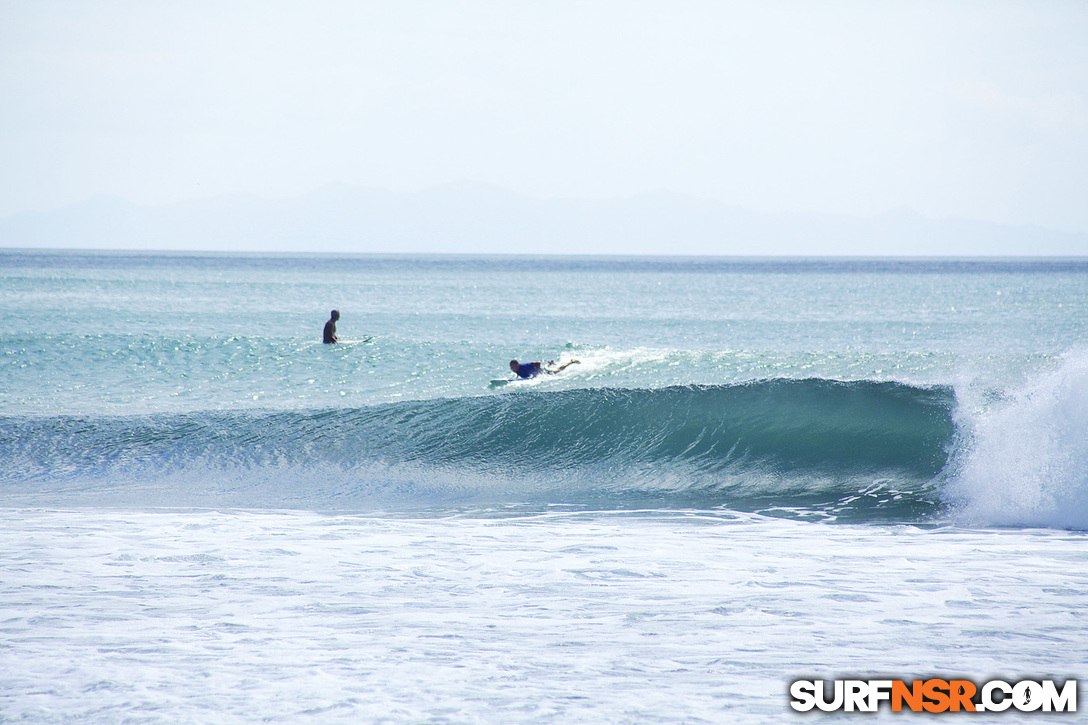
<point x="1024" y="460"/>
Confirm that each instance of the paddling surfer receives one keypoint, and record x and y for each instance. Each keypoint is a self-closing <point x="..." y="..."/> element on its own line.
<point x="532" y="369"/>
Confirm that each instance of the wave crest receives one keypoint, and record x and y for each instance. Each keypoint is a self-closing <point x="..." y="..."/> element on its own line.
<point x="813" y="443"/>
<point x="1025" y="461"/>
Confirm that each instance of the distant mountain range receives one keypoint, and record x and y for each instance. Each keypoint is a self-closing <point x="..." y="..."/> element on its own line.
<point x="477" y="218"/>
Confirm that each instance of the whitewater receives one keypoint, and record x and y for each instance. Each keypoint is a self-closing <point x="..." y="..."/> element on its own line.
<point x="760" y="470"/>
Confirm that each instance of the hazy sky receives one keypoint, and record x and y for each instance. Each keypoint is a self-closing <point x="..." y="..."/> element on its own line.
<point x="968" y="109"/>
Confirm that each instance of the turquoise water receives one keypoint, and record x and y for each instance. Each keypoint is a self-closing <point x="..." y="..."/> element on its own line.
<point x="755" y="383"/>
<point x="759" y="470"/>
<point x="112" y="333"/>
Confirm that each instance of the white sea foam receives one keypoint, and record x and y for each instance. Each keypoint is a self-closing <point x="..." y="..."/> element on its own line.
<point x="1024" y="460"/>
<point x="579" y="617"/>
<point x="576" y="617"/>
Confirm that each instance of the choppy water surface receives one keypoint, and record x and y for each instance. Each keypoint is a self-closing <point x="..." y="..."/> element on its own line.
<point x="759" y="470"/>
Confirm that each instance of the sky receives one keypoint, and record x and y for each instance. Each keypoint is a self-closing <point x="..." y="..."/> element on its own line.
<point x="953" y="108"/>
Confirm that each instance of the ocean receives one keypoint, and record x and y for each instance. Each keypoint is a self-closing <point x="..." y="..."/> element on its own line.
<point x="758" y="471"/>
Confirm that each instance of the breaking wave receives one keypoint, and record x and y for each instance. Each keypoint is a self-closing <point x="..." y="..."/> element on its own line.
<point x="854" y="450"/>
<point x="1024" y="460"/>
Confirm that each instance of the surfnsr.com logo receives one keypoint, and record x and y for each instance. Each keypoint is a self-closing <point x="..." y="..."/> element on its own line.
<point x="934" y="695"/>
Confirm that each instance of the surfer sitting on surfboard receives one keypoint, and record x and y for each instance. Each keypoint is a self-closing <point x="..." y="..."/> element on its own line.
<point x="532" y="369"/>
<point x="329" y="334"/>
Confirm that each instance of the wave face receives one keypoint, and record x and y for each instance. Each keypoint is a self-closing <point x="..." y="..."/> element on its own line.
<point x="856" y="450"/>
